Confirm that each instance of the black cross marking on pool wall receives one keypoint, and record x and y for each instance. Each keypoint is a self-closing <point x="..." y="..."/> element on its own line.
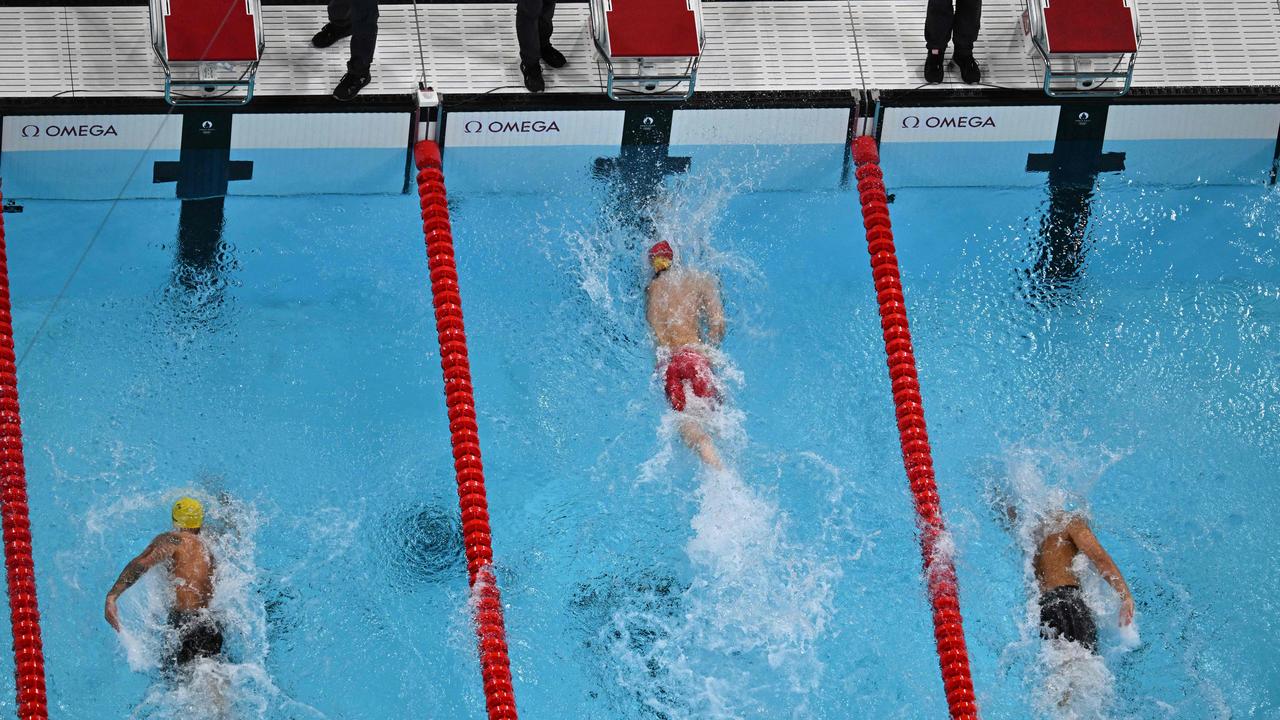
<point x="1275" y="158"/>
<point x="1073" y="166"/>
<point x="203" y="172"/>
<point x="635" y="177"/>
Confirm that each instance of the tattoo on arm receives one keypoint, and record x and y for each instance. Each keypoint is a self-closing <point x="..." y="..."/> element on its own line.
<point x="130" y="575"/>
<point x="158" y="550"/>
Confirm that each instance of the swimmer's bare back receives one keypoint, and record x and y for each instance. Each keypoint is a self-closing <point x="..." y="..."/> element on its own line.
<point x="192" y="568"/>
<point x="1053" y="560"/>
<point x="679" y="301"/>
<point x="188" y="561"/>
<point x="1059" y="549"/>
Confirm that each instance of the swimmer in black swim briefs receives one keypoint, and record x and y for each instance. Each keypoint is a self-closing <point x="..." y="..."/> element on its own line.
<point x="1060" y="536"/>
<point x="1064" y="614"/>
<point x="191" y="566"/>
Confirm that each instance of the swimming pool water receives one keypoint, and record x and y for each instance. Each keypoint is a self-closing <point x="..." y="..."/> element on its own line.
<point x="299" y="375"/>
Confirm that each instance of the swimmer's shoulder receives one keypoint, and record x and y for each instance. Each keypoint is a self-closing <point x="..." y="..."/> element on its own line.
<point x="705" y="281"/>
<point x="186" y="542"/>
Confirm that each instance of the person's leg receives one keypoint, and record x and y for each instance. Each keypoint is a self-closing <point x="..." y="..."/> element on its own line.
<point x="938" y="20"/>
<point x="364" y="34"/>
<point x="338" y="27"/>
<point x="340" y="13"/>
<point x="964" y="31"/>
<point x="550" y="55"/>
<point x="698" y="439"/>
<point x="544" y="23"/>
<point x="528" y="29"/>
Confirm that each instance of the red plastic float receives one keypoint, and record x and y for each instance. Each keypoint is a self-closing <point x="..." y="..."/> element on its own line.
<point x="940" y="572"/>
<point x="495" y="664"/>
<point x="28" y="655"/>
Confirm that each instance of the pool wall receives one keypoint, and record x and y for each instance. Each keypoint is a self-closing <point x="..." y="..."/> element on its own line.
<point x="1234" y="143"/>
<point x="204" y="153"/>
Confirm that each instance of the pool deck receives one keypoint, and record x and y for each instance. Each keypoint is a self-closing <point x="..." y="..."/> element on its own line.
<point x="97" y="50"/>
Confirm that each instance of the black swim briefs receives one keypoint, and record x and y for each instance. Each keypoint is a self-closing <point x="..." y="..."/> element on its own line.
<point x="1064" y="614"/>
<point x="198" y="636"/>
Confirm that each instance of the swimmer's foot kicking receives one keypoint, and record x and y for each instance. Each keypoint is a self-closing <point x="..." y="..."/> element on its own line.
<point x="185" y="555"/>
<point x="686" y="316"/>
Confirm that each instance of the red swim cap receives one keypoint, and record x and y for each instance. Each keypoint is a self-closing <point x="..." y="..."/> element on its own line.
<point x="662" y="249"/>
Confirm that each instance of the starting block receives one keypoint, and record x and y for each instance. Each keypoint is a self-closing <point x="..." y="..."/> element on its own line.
<point x="651" y="47"/>
<point x="1083" y="44"/>
<point x="210" y="49"/>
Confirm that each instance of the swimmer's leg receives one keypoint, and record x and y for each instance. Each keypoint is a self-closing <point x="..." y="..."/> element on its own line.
<point x="698" y="439"/>
<point x="220" y="690"/>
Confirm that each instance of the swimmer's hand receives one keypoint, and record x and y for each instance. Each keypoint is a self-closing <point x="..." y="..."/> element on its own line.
<point x="1126" y="610"/>
<point x="112" y="614"/>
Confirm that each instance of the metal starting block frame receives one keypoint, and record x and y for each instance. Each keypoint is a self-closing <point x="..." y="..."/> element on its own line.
<point x="651" y="48"/>
<point x="210" y="49"/>
<point x="1083" y="44"/>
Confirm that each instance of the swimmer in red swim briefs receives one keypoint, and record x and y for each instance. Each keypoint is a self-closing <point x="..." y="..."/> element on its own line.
<point x="685" y="313"/>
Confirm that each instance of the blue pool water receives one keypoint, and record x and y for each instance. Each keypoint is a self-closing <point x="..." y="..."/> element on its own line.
<point x="294" y="384"/>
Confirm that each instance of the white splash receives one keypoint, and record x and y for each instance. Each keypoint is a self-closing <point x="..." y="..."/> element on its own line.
<point x="1069" y="681"/>
<point x="740" y="636"/>
<point x="238" y="685"/>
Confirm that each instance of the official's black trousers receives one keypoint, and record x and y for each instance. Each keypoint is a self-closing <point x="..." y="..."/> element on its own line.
<point x="944" y="24"/>
<point x="362" y="17"/>
<point x="533" y="28"/>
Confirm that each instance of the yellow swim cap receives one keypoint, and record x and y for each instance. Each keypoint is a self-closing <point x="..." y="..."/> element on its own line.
<point x="188" y="513"/>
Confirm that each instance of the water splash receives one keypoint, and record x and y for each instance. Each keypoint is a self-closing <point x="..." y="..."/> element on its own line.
<point x="737" y="636"/>
<point x="237" y="685"/>
<point x="740" y="639"/>
<point x="1040" y="484"/>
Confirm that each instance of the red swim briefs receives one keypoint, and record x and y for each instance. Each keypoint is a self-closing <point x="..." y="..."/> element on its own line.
<point x="691" y="365"/>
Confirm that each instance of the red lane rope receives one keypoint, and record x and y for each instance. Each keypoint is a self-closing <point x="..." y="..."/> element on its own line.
<point x="495" y="665"/>
<point x="940" y="572"/>
<point x="28" y="655"/>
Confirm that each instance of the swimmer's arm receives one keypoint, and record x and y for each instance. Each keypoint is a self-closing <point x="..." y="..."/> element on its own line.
<point x="715" y="311"/>
<point x="158" y="551"/>
<point x="650" y="310"/>
<point x="1088" y="544"/>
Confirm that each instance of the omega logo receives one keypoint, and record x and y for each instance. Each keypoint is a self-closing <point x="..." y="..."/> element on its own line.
<point x="29" y="131"/>
<point x="932" y="122"/>
<point x="498" y="127"/>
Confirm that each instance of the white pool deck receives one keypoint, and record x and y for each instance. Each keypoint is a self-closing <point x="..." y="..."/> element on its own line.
<point x="751" y="46"/>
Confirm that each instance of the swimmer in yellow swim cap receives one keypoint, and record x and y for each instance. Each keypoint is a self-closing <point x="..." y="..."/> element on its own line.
<point x="188" y="514"/>
<point x="185" y="555"/>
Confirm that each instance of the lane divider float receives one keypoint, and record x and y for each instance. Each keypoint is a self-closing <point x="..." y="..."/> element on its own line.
<point x="24" y="613"/>
<point x="495" y="664"/>
<point x="939" y="569"/>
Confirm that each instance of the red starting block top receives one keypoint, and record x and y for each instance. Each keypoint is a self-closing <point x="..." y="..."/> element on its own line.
<point x="1077" y="27"/>
<point x="652" y="28"/>
<point x="210" y="30"/>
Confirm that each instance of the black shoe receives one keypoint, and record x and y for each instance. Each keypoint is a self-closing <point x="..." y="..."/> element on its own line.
<point x="533" y="77"/>
<point x="969" y="70"/>
<point x="553" y="57"/>
<point x="351" y="84"/>
<point x="933" y="67"/>
<point x="330" y="34"/>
